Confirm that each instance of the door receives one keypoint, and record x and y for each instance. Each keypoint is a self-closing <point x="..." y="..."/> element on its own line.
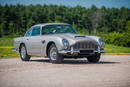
<point x="26" y="41"/>
<point x="35" y="41"/>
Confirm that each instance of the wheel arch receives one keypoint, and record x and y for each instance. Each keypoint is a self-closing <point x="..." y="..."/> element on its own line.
<point x="20" y="46"/>
<point x="48" y="45"/>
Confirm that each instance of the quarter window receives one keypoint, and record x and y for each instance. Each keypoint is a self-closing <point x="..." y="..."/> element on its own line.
<point x="36" y="31"/>
<point x="28" y="33"/>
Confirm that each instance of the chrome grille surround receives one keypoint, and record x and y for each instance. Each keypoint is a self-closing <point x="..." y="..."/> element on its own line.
<point x="86" y="45"/>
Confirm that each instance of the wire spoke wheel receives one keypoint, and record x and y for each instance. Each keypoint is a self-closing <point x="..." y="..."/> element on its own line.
<point x="23" y="52"/>
<point x="53" y="53"/>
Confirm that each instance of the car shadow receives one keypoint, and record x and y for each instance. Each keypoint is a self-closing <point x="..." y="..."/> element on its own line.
<point x="40" y="60"/>
<point x="86" y="62"/>
<point x="69" y="61"/>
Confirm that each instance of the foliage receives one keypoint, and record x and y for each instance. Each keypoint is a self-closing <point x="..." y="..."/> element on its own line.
<point x="112" y="24"/>
<point x="115" y="38"/>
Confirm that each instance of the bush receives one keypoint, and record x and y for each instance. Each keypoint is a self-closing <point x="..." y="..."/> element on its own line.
<point x="83" y="31"/>
<point x="116" y="38"/>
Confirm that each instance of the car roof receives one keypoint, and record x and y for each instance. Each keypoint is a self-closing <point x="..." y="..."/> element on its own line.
<point x="44" y="24"/>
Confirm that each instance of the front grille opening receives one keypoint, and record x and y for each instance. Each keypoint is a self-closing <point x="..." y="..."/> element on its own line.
<point x="83" y="45"/>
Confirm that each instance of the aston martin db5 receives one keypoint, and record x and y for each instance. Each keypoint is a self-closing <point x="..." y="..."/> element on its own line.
<point x="58" y="41"/>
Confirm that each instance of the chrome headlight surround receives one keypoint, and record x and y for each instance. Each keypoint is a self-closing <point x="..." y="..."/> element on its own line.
<point x="101" y="43"/>
<point x="65" y="43"/>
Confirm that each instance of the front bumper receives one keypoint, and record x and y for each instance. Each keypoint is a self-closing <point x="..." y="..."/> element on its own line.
<point x="73" y="51"/>
<point x="14" y="49"/>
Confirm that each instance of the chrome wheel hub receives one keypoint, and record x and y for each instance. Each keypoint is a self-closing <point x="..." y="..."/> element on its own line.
<point x="53" y="53"/>
<point x="23" y="52"/>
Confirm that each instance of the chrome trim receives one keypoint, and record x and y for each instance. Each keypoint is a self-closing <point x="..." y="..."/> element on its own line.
<point x="72" y="51"/>
<point x="68" y="51"/>
<point x="100" y="51"/>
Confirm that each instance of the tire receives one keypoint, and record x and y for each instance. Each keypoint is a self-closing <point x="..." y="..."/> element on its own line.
<point x="53" y="55"/>
<point x="23" y="53"/>
<point x="94" y="58"/>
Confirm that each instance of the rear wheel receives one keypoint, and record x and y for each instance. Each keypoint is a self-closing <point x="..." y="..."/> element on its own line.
<point x="54" y="56"/>
<point x="23" y="53"/>
<point x="95" y="58"/>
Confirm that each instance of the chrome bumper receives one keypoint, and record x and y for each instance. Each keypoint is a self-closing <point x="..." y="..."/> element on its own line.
<point x="72" y="51"/>
<point x="14" y="49"/>
<point x="77" y="51"/>
<point x="68" y="51"/>
<point x="100" y="51"/>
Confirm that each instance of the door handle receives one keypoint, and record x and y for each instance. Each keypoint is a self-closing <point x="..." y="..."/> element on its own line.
<point x="43" y="41"/>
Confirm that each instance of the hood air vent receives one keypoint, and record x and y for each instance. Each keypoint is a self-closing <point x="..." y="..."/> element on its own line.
<point x="80" y="36"/>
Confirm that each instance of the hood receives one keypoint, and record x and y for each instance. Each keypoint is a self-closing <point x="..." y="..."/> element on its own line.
<point x="72" y="38"/>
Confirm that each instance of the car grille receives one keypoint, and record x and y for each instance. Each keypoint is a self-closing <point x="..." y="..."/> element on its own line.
<point x="84" y="45"/>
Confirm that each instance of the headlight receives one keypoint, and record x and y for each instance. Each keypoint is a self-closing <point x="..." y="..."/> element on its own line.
<point x="65" y="43"/>
<point x="101" y="43"/>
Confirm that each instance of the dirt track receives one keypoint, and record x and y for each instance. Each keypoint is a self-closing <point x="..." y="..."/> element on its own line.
<point x="111" y="71"/>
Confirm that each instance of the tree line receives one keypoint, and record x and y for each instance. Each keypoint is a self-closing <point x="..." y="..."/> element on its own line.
<point x="113" y="24"/>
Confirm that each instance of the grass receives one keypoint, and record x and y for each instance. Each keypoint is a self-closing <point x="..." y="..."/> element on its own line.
<point x="6" y="41"/>
<point x="116" y="49"/>
<point x="7" y="52"/>
<point x="6" y="45"/>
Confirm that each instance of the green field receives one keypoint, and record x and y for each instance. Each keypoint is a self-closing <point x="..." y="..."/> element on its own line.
<point x="6" y="41"/>
<point x="116" y="49"/>
<point x="6" y="45"/>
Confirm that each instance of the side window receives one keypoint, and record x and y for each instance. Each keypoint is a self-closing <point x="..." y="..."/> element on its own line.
<point x="36" y="31"/>
<point x="28" y="33"/>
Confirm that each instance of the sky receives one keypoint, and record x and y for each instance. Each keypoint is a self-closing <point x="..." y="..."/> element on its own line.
<point x="84" y="3"/>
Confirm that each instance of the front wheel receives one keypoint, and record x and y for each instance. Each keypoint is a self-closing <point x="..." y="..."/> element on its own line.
<point x="94" y="59"/>
<point x="23" y="53"/>
<point x="54" y="56"/>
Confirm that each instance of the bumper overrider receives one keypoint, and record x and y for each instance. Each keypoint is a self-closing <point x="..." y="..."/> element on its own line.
<point x="14" y="49"/>
<point x="73" y="51"/>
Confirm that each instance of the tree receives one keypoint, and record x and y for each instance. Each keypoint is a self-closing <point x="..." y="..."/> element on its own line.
<point x="127" y="34"/>
<point x="95" y="18"/>
<point x="16" y="19"/>
<point x="11" y="28"/>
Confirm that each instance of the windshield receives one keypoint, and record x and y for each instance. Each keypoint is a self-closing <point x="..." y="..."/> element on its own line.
<point x="54" y="29"/>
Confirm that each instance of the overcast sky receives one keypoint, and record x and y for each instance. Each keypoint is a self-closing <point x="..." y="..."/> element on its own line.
<point x="84" y="3"/>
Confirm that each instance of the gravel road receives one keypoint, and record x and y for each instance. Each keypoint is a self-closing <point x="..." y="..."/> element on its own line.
<point x="111" y="71"/>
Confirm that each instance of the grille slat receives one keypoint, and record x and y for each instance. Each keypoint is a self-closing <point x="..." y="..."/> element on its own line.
<point x="84" y="45"/>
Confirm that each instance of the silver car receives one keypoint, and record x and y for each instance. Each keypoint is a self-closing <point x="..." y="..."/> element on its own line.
<point x="58" y="41"/>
